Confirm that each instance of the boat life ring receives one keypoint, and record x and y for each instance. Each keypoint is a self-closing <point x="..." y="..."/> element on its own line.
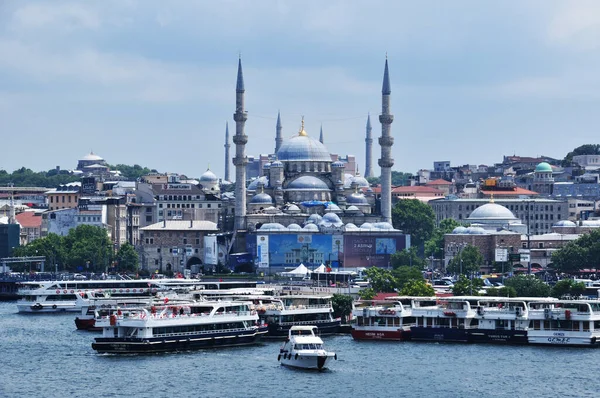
<point x="113" y="320"/>
<point x="127" y="291"/>
<point x="72" y="291"/>
<point x="54" y="307"/>
<point x="64" y="291"/>
<point x="57" y="291"/>
<point x="392" y="312"/>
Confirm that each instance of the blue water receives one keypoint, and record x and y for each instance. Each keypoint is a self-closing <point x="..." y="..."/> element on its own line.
<point x="45" y="356"/>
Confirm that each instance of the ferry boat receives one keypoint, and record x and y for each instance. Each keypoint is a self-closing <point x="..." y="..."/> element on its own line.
<point x="304" y="349"/>
<point x="175" y="328"/>
<point x="446" y="319"/>
<point x="283" y="312"/>
<point x="389" y="319"/>
<point x="500" y="320"/>
<point x="61" y="296"/>
<point x="564" y="323"/>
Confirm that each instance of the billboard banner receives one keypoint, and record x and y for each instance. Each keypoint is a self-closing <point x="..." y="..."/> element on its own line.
<point x="371" y="250"/>
<point x="262" y="251"/>
<point x="211" y="251"/>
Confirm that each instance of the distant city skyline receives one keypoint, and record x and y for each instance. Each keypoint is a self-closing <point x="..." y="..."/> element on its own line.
<point x="150" y="83"/>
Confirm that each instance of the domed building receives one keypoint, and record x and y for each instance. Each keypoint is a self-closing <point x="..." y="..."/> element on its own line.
<point x="492" y="216"/>
<point x="543" y="181"/>
<point x="92" y="163"/>
<point x="209" y="182"/>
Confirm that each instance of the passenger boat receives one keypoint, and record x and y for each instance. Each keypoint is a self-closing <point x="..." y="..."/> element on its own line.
<point x="389" y="319"/>
<point x="449" y="319"/>
<point x="61" y="296"/>
<point x="283" y="312"/>
<point x="564" y="323"/>
<point x="304" y="349"/>
<point x="175" y="328"/>
<point x="500" y="320"/>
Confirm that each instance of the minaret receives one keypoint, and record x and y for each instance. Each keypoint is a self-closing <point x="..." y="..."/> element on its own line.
<point x="278" y="136"/>
<point x="240" y="160"/>
<point x="227" y="146"/>
<point x="386" y="141"/>
<point x="369" y="154"/>
<point x="321" y="135"/>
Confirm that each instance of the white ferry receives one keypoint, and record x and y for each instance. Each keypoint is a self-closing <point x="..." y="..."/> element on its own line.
<point x="447" y="319"/>
<point x="175" y="328"/>
<point x="304" y="349"/>
<point x="564" y="322"/>
<point x="61" y="296"/>
<point x="389" y="319"/>
<point x="283" y="312"/>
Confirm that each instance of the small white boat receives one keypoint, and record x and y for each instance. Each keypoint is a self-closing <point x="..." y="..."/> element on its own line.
<point x="304" y="349"/>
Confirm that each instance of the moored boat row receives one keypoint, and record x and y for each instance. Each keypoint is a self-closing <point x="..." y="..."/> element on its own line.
<point x="537" y="320"/>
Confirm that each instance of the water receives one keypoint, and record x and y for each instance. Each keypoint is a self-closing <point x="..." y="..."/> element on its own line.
<point x="45" y="356"/>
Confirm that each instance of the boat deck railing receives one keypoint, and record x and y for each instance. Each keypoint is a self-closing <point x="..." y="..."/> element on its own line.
<point x="202" y="332"/>
<point x="307" y="322"/>
<point x="308" y="307"/>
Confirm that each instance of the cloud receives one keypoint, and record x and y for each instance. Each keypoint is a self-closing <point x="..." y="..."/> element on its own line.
<point x="57" y="15"/>
<point x="576" y="25"/>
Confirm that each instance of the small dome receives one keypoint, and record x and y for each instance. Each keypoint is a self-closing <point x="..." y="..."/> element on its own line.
<point x="333" y="208"/>
<point x="208" y="176"/>
<point x="543" y="168"/>
<point x="459" y="230"/>
<point x="261" y="198"/>
<point x="565" y="223"/>
<point x="313" y="219"/>
<point x="277" y="163"/>
<point x="475" y="231"/>
<point x="308" y="183"/>
<point x="357" y="199"/>
<point x="492" y="211"/>
<point x="311" y="228"/>
<point x="352" y="209"/>
<point x="294" y="227"/>
<point x="292" y="209"/>
<point x="386" y="226"/>
<point x="330" y="220"/>
<point x="351" y="227"/>
<point x="272" y="226"/>
<point x="254" y="184"/>
<point x="361" y="181"/>
<point x="91" y="156"/>
<point x="367" y="226"/>
<point x="267" y="166"/>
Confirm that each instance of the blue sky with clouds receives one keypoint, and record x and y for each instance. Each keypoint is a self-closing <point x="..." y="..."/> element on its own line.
<point x="153" y="82"/>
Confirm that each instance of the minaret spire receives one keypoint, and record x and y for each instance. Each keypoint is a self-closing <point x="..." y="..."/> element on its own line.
<point x="321" y="135"/>
<point x="240" y="160"/>
<point x="386" y="141"/>
<point x="369" y="150"/>
<point x="278" y="136"/>
<point x="227" y="146"/>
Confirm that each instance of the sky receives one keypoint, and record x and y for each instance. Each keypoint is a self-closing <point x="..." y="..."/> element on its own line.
<point x="152" y="83"/>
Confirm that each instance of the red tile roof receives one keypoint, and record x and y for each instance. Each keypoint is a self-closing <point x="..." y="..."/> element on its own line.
<point x="29" y="219"/>
<point x="514" y="191"/>
<point x="417" y="189"/>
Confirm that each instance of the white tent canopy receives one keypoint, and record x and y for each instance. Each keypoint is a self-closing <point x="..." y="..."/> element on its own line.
<point x="320" y="269"/>
<point x="300" y="270"/>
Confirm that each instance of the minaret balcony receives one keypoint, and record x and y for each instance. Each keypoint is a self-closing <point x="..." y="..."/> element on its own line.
<point x="240" y="139"/>
<point x="385" y="162"/>
<point x="240" y="116"/>
<point x="386" y="119"/>
<point x="386" y="141"/>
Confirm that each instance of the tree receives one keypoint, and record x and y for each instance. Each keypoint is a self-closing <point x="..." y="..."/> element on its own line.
<point x="528" y="286"/>
<point x="399" y="178"/>
<point x="505" y="291"/>
<point x="434" y="247"/>
<point x="405" y="274"/>
<point x="127" y="258"/>
<point x="417" y="288"/>
<point x="587" y="149"/>
<point x="367" y="293"/>
<point x="87" y="247"/>
<point x="467" y="287"/>
<point x="467" y="261"/>
<point x="342" y="305"/>
<point x="568" y="287"/>
<point x="415" y="218"/>
<point x="583" y="252"/>
<point x="381" y="280"/>
<point x="132" y="172"/>
<point x="407" y="257"/>
<point x="50" y="246"/>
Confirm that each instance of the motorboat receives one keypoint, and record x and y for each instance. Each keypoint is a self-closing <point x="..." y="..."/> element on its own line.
<point x="209" y="324"/>
<point x="304" y="349"/>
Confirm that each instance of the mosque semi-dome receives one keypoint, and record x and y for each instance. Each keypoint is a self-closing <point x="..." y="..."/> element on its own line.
<point x="357" y="199"/>
<point x="492" y="211"/>
<point x="254" y="184"/>
<point x="543" y="168"/>
<point x="303" y="148"/>
<point x="565" y="223"/>
<point x="308" y="183"/>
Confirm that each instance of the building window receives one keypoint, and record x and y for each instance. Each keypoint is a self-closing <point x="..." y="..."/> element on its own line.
<point x="148" y="218"/>
<point x="208" y="205"/>
<point x="158" y="249"/>
<point x="197" y="241"/>
<point x="185" y="241"/>
<point x="151" y="241"/>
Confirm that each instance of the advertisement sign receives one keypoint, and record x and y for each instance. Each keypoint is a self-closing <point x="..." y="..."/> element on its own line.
<point x="501" y="255"/>
<point x="366" y="251"/>
<point x="210" y="250"/>
<point x="262" y="251"/>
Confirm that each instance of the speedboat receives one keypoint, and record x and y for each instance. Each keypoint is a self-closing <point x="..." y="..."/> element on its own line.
<point x="304" y="349"/>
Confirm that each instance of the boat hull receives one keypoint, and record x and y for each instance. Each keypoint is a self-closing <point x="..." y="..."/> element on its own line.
<point x="86" y="324"/>
<point x="176" y="343"/>
<point x="303" y="361"/>
<point x="497" y="336"/>
<point x="563" y="339"/>
<point x="378" y="334"/>
<point x="451" y="335"/>
<point x="46" y="308"/>
<point x="277" y="330"/>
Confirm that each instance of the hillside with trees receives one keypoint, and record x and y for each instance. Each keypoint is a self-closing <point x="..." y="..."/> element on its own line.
<point x="587" y="149"/>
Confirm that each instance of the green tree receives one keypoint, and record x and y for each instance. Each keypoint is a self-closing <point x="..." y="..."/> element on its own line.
<point x="367" y="293"/>
<point x="342" y="306"/>
<point x="468" y="260"/>
<point x="87" y="246"/>
<point x="587" y="149"/>
<point x="127" y="258"/>
<point x="415" y="218"/>
<point x="50" y="246"/>
<point x="505" y="291"/>
<point x="399" y="179"/>
<point x="568" y="287"/>
<point x="407" y="257"/>
<point x="467" y="287"/>
<point x="583" y="252"/>
<point x="381" y="280"/>
<point x="132" y="172"/>
<point x="434" y="247"/>
<point x="405" y="274"/>
<point x="528" y="286"/>
<point x="417" y="288"/>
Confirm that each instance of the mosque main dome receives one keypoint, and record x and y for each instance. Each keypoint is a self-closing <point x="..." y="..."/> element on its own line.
<point x="492" y="211"/>
<point x="303" y="148"/>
